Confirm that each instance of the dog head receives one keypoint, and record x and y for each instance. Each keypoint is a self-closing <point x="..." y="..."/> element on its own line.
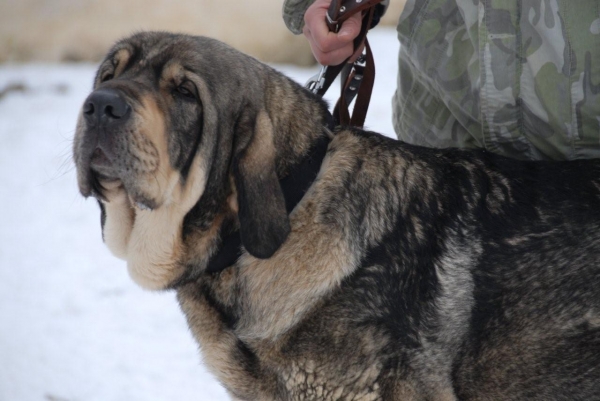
<point x="177" y="125"/>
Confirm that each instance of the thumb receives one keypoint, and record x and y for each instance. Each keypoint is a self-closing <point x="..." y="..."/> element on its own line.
<point x="351" y="27"/>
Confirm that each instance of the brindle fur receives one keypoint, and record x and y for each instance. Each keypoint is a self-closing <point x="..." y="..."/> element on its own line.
<point x="405" y="273"/>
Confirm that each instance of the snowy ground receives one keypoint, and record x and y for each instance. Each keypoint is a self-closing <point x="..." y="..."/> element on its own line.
<point x="73" y="326"/>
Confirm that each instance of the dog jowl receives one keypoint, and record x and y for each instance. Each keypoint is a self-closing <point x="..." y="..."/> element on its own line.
<point x="359" y="268"/>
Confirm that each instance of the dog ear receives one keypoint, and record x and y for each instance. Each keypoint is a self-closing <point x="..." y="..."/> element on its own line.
<point x="264" y="222"/>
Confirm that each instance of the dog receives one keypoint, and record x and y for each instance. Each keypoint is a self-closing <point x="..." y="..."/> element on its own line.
<point x="322" y="263"/>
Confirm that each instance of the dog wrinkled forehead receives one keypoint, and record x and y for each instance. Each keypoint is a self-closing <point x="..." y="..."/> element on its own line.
<point x="150" y="52"/>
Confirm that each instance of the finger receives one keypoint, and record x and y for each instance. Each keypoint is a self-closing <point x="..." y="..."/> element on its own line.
<point x="333" y="57"/>
<point x="330" y="48"/>
<point x="322" y="38"/>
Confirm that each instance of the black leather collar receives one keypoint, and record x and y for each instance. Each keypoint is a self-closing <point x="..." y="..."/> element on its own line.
<point x="294" y="186"/>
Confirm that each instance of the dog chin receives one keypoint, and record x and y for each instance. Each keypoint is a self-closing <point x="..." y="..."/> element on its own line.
<point x="140" y="200"/>
<point x="109" y="189"/>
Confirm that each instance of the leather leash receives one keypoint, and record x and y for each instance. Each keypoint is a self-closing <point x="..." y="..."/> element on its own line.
<point x="357" y="77"/>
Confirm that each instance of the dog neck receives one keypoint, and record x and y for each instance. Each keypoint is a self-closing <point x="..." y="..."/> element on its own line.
<point x="294" y="186"/>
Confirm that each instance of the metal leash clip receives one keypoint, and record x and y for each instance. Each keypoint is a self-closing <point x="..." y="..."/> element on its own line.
<point x="316" y="82"/>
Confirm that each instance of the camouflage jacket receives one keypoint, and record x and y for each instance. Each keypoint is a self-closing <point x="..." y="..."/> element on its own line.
<point x="518" y="78"/>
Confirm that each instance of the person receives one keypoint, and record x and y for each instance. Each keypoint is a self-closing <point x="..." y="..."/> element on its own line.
<point x="517" y="78"/>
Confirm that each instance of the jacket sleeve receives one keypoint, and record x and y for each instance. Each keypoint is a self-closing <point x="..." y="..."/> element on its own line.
<point x="293" y="13"/>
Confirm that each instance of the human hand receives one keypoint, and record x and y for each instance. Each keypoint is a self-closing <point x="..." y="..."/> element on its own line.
<point x="329" y="48"/>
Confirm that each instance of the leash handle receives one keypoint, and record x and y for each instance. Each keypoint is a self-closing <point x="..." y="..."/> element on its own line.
<point x="340" y="10"/>
<point x="357" y="77"/>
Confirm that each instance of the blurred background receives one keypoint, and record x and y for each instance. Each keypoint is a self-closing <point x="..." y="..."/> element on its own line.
<point x="73" y="325"/>
<point x="82" y="30"/>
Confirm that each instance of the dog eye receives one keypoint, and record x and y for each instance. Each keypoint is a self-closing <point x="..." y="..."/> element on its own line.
<point x="187" y="90"/>
<point x="106" y="76"/>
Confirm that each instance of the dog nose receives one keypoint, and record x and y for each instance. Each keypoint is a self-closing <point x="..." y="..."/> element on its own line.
<point x="105" y="105"/>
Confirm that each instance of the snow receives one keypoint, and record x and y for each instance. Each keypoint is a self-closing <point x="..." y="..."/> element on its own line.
<point x="73" y="326"/>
